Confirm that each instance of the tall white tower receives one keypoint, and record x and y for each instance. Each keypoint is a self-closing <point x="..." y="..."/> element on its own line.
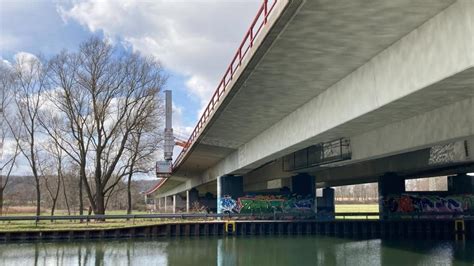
<point x="164" y="168"/>
<point x="169" y="139"/>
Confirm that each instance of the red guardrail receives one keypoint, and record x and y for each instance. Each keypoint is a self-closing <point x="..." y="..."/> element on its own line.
<point x="257" y="24"/>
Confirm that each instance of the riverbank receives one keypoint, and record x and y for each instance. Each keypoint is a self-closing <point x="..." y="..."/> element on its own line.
<point x="386" y="229"/>
<point x="13" y="226"/>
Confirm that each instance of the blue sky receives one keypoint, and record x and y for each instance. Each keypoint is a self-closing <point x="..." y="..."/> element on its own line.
<point x="194" y="40"/>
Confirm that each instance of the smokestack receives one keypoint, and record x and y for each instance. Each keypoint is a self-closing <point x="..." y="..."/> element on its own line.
<point x="169" y="139"/>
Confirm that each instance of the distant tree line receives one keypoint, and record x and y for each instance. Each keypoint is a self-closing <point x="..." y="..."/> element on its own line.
<point x="19" y="196"/>
<point x="363" y="193"/>
<point x="85" y="122"/>
<point x="368" y="193"/>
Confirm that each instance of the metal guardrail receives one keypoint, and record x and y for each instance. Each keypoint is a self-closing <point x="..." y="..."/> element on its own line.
<point x="270" y="216"/>
<point x="247" y="43"/>
<point x="352" y="215"/>
<point x="430" y="215"/>
<point x="411" y="216"/>
<point x="151" y="216"/>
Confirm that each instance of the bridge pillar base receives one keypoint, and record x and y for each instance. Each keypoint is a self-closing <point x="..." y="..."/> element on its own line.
<point x="229" y="186"/>
<point x="461" y="184"/>
<point x="325" y="204"/>
<point x="389" y="184"/>
<point x="174" y="203"/>
<point x="303" y="185"/>
<point x="192" y="196"/>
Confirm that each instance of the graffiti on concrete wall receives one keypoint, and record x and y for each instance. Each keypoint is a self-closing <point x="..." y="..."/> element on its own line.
<point x="407" y="203"/>
<point x="266" y="204"/>
<point x="229" y="205"/>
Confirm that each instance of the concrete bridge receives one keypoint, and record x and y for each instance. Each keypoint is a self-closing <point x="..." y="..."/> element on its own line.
<point x="326" y="93"/>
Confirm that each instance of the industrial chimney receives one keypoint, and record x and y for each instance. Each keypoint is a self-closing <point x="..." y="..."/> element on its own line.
<point x="164" y="168"/>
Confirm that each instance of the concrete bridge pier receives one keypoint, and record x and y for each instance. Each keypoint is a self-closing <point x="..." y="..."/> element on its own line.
<point x="187" y="201"/>
<point x="192" y="196"/>
<point x="389" y="184"/>
<point x="325" y="204"/>
<point x="229" y="186"/>
<point x="304" y="185"/>
<point x="461" y="184"/>
<point x="174" y="203"/>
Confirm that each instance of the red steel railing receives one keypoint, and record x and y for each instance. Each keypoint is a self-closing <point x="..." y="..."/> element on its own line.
<point x="255" y="28"/>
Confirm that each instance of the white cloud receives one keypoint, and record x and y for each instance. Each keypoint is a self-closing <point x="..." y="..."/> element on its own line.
<point x="199" y="86"/>
<point x="21" y="60"/>
<point x="194" y="38"/>
<point x="5" y="63"/>
<point x="26" y="62"/>
<point x="180" y="129"/>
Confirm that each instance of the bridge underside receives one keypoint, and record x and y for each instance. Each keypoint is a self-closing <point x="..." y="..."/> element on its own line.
<point x="396" y="78"/>
<point x="313" y="45"/>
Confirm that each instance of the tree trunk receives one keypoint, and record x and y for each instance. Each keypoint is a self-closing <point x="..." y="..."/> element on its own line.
<point x="81" y="203"/>
<point x="38" y="198"/>
<point x="129" y="194"/>
<point x="100" y="203"/>
<point x="54" y="206"/>
<point x="1" y="200"/>
<point x="56" y="196"/>
<point x="65" y="198"/>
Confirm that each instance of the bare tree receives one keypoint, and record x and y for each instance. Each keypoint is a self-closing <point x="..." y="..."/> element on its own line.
<point x="8" y="159"/>
<point x="29" y="81"/>
<point x="143" y="143"/>
<point x="104" y="97"/>
<point x="66" y="123"/>
<point x="51" y="168"/>
<point x="6" y="168"/>
<point x="65" y="194"/>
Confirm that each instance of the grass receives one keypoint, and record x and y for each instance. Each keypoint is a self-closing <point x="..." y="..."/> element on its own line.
<point x="16" y="226"/>
<point x="65" y="225"/>
<point x="357" y="208"/>
<point x="62" y="213"/>
<point x="44" y="225"/>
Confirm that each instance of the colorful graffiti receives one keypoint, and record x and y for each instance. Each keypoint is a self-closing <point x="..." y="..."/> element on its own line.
<point x="266" y="204"/>
<point x="229" y="205"/>
<point x="408" y="203"/>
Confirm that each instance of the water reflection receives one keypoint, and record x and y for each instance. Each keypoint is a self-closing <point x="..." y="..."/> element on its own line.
<point x="291" y="250"/>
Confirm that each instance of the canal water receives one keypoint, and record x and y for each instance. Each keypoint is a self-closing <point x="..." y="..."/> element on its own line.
<point x="255" y="250"/>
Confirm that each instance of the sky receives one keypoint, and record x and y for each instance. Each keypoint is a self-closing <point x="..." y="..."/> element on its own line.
<point x="194" y="40"/>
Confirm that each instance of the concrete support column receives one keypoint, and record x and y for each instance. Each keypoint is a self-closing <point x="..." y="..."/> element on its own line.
<point x="166" y="204"/>
<point x="193" y="196"/>
<point x="229" y="185"/>
<point x="460" y="184"/>
<point x="303" y="185"/>
<point x="219" y="193"/>
<point x="187" y="201"/>
<point x="159" y="204"/>
<point x="328" y="196"/>
<point x="174" y="203"/>
<point x="389" y="184"/>
<point x="325" y="204"/>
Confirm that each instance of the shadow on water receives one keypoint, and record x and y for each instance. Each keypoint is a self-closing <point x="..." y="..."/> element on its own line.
<point x="256" y="250"/>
